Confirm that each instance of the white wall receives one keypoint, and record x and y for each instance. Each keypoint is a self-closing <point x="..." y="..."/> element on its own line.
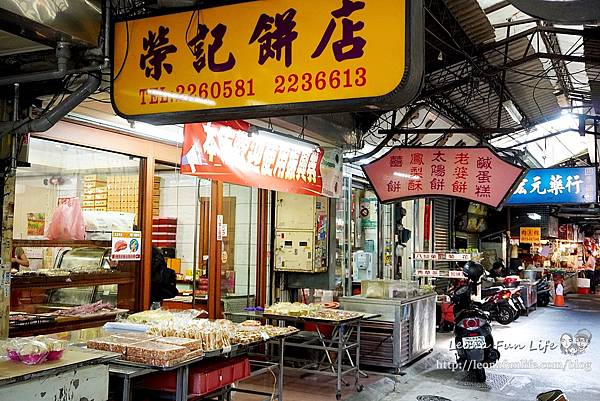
<point x="32" y="196"/>
<point x="246" y="201"/>
<point x="178" y="199"/>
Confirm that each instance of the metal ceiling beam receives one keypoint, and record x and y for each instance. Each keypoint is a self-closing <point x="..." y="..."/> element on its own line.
<point x="442" y="104"/>
<point x="469" y="53"/>
<point x="515" y="63"/>
<point x="515" y="23"/>
<point x="528" y="32"/>
<point x="436" y="131"/>
<point x="562" y="73"/>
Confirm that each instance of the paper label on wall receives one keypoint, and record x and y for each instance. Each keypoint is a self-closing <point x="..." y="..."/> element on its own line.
<point x="126" y="245"/>
<point x="455" y="274"/>
<point x="426" y="256"/>
<point x="220" y="227"/>
<point x="224" y="230"/>
<point x="428" y="273"/>
<point x="461" y="257"/>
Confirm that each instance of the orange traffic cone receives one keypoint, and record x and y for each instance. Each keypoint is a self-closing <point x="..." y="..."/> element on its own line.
<point x="559" y="298"/>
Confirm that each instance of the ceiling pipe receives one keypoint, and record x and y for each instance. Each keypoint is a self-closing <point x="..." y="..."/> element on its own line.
<point x="47" y="120"/>
<point x="63" y="55"/>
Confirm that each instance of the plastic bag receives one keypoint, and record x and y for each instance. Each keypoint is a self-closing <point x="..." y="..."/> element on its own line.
<point x="67" y="221"/>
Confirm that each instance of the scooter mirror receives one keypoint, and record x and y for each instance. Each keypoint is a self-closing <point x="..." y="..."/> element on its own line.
<point x="555" y="395"/>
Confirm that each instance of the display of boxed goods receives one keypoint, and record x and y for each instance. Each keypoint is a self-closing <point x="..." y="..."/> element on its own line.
<point x="155" y="353"/>
<point x="149" y="350"/>
<point x="214" y="335"/>
<point x="189" y="343"/>
<point x="95" y="178"/>
<point x="116" y="343"/>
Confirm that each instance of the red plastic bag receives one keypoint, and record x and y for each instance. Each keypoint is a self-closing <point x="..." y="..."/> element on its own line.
<point x="67" y="221"/>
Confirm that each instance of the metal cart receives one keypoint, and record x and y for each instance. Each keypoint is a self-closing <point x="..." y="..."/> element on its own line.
<point x="404" y="331"/>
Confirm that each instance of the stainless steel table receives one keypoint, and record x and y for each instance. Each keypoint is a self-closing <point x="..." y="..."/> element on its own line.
<point x="404" y="332"/>
<point x="337" y="359"/>
<point x="127" y="371"/>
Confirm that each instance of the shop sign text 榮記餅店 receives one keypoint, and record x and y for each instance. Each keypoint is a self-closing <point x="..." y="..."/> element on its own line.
<point x="267" y="58"/>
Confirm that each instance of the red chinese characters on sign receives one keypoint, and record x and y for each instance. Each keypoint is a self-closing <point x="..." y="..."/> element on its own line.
<point x="474" y="173"/>
<point x="226" y="152"/>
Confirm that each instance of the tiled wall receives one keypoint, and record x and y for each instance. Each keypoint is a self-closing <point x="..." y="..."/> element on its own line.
<point x="246" y="201"/>
<point x="178" y="199"/>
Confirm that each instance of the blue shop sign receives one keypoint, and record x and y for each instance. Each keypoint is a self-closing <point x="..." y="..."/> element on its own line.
<point x="556" y="186"/>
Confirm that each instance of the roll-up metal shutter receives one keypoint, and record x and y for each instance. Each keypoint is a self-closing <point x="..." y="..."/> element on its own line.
<point x="441" y="229"/>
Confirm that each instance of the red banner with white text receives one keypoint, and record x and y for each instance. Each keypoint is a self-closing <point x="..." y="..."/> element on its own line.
<point x="228" y="152"/>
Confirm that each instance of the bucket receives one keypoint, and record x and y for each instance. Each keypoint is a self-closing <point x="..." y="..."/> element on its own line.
<point x="583" y="283"/>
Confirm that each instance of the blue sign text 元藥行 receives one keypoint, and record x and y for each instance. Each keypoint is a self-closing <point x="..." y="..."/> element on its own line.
<point x="556" y="186"/>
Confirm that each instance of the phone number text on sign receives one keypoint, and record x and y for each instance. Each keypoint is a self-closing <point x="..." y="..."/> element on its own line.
<point x="308" y="82"/>
<point x="207" y="93"/>
<point x="203" y="92"/>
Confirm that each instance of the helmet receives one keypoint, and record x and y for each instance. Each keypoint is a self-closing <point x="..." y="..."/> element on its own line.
<point x="473" y="271"/>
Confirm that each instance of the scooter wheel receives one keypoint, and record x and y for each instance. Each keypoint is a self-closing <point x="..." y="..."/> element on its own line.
<point x="480" y="376"/>
<point x="505" y="316"/>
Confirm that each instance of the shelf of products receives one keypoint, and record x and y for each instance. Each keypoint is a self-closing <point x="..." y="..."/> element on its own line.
<point x="25" y="243"/>
<point x="72" y="280"/>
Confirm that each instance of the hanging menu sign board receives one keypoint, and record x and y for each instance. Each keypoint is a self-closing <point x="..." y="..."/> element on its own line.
<point x="267" y="58"/>
<point x="473" y="173"/>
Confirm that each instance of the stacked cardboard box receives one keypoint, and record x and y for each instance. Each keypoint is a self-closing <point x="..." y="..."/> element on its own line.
<point x="156" y="197"/>
<point x="164" y="232"/>
<point x="123" y="193"/>
<point x="95" y="193"/>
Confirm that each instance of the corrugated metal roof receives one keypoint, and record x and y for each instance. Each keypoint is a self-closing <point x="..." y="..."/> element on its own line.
<point x="476" y="97"/>
<point x="528" y="83"/>
<point x="591" y="46"/>
<point x="472" y="19"/>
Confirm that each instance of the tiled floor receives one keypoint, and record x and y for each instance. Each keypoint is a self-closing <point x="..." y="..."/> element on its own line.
<point x="300" y="387"/>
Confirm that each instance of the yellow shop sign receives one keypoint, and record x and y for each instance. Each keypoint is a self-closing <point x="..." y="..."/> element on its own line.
<point x="267" y="58"/>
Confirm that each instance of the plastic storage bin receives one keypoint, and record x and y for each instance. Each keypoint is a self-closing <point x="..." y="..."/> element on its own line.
<point x="204" y="378"/>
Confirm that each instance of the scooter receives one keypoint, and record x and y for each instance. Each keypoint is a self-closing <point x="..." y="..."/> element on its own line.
<point x="517" y="301"/>
<point x="472" y="332"/>
<point x="513" y="300"/>
<point x="499" y="306"/>
<point x="543" y="292"/>
<point x="555" y="395"/>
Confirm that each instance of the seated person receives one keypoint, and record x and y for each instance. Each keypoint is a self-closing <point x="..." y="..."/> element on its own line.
<point x="20" y="260"/>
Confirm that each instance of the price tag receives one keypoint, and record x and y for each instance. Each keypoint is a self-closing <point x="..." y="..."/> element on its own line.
<point x="227" y="349"/>
<point x="455" y="274"/>
<point x="265" y="336"/>
<point x="428" y="273"/>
